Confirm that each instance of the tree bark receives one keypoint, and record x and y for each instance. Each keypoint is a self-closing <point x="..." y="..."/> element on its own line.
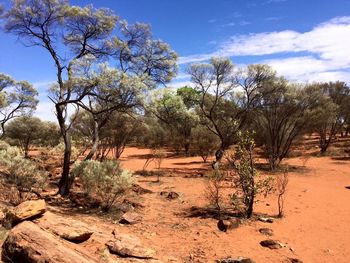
<point x="95" y="140"/>
<point x="65" y="182"/>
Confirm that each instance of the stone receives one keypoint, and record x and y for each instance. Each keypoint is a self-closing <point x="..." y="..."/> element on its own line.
<point x="2" y="216"/>
<point x="236" y="260"/>
<point x="224" y="225"/>
<point x="65" y="227"/>
<point x="128" y="246"/>
<point x="170" y="195"/>
<point x="130" y="218"/>
<point x="271" y="244"/>
<point x="25" y="211"/>
<point x="294" y="260"/>
<point x="266" y="231"/>
<point x="265" y="219"/>
<point x="27" y="242"/>
<point x="140" y="190"/>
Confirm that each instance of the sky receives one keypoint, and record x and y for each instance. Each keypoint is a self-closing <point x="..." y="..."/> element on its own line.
<point x="304" y="40"/>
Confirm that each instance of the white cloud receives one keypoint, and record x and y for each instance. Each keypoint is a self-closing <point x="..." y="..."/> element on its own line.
<point x="325" y="47"/>
<point x="45" y="111"/>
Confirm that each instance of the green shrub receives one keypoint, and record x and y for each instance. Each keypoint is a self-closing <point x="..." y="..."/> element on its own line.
<point x="105" y="180"/>
<point x="23" y="173"/>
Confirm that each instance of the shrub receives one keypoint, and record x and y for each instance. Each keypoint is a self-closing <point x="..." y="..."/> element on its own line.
<point x="281" y="185"/>
<point x="245" y="174"/>
<point x="205" y="142"/>
<point x="23" y="173"/>
<point x="214" y="190"/>
<point x="105" y="180"/>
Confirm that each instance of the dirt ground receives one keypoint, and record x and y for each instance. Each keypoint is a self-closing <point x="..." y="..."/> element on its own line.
<point x="315" y="227"/>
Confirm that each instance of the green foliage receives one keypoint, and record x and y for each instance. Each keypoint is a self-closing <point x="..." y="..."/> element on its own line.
<point x="105" y="180"/>
<point x="17" y="98"/>
<point x="23" y="173"/>
<point x="244" y="173"/>
<point x="26" y="130"/>
<point x="213" y="192"/>
<point x="204" y="142"/>
<point x="175" y="116"/>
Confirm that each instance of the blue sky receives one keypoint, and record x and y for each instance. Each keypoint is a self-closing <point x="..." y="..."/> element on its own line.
<point x="303" y="40"/>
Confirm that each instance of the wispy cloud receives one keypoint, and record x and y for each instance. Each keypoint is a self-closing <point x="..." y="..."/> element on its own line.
<point x="326" y="47"/>
<point x="229" y="24"/>
<point x="275" y="1"/>
<point x="244" y="23"/>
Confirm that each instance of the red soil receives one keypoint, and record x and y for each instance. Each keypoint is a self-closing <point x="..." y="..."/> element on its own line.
<point x="315" y="227"/>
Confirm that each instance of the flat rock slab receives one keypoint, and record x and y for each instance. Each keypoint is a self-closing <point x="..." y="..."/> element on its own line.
<point x="236" y="260"/>
<point x="27" y="243"/>
<point x="266" y="231"/>
<point x="67" y="228"/>
<point x="25" y="211"/>
<point x="130" y="218"/>
<point x="271" y="244"/>
<point x="128" y="246"/>
<point x="266" y="219"/>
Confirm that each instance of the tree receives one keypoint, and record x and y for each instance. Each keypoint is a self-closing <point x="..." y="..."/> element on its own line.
<point x="24" y="131"/>
<point x="77" y="32"/>
<point x="16" y="99"/>
<point x="179" y="120"/>
<point x="215" y="83"/>
<point x="72" y="34"/>
<point x="331" y="112"/>
<point x="281" y="114"/>
<point x="204" y="142"/>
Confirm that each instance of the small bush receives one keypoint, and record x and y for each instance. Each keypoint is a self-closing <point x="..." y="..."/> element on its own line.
<point x="214" y="190"/>
<point x="245" y="175"/>
<point x="105" y="180"/>
<point x="23" y="173"/>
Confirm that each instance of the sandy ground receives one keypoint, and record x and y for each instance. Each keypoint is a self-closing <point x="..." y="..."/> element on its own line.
<point x="315" y="227"/>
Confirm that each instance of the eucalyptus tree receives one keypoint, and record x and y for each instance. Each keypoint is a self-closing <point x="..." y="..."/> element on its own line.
<point x="142" y="63"/>
<point x="17" y="98"/>
<point x="177" y="118"/>
<point x="281" y="115"/>
<point x="332" y="111"/>
<point x="72" y="34"/>
<point x="23" y="131"/>
<point x="215" y="83"/>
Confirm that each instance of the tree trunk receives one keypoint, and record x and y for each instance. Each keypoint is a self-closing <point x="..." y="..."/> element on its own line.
<point x="187" y="147"/>
<point x="65" y="182"/>
<point x="95" y="139"/>
<point x="218" y="157"/>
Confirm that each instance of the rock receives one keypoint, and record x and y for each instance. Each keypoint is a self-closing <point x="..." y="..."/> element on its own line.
<point x="294" y="260"/>
<point x="130" y="218"/>
<point x="225" y="225"/>
<point x="2" y="216"/>
<point x="266" y="231"/>
<point x="26" y="210"/>
<point x="236" y="260"/>
<point x="169" y="195"/>
<point x="27" y="242"/>
<point x="129" y="246"/>
<point x="140" y="190"/>
<point x="271" y="244"/>
<point x="265" y="219"/>
<point x="67" y="228"/>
